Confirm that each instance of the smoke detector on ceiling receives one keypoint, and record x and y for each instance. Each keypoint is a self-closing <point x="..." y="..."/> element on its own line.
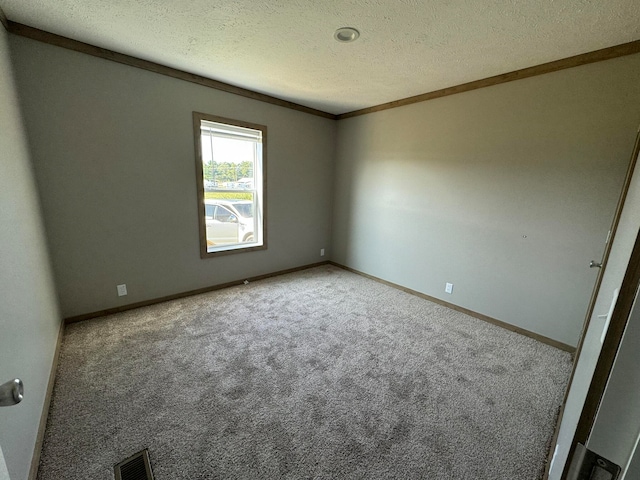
<point x="346" y="34"/>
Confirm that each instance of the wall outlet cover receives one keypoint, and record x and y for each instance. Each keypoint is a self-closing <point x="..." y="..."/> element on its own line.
<point x="448" y="288"/>
<point x="322" y="252"/>
<point x="122" y="290"/>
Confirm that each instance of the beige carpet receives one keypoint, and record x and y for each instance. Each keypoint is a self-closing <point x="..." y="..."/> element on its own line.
<point x="316" y="374"/>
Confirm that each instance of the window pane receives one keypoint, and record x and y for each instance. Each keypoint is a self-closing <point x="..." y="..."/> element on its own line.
<point x="230" y="169"/>
<point x="234" y="221"/>
<point x="228" y="163"/>
<point x="224" y="215"/>
<point x="245" y="209"/>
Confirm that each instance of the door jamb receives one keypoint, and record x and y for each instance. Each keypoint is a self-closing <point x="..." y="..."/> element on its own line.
<point x="619" y="319"/>
<point x="611" y="343"/>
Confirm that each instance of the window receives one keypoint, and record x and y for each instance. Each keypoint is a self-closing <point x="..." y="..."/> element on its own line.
<point x="230" y="165"/>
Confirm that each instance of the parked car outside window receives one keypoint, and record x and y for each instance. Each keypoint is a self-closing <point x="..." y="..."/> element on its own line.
<point x="229" y="221"/>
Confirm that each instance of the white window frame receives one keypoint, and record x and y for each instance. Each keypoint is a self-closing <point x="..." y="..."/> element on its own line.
<point x="234" y="129"/>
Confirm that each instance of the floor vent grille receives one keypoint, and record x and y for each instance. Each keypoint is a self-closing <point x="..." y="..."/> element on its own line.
<point x="136" y="467"/>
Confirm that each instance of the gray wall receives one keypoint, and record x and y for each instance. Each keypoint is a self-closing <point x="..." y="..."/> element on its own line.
<point x="507" y="192"/>
<point x="29" y="320"/>
<point x="113" y="153"/>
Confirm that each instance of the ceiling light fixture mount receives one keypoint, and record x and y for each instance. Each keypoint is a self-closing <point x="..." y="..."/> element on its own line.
<point x="346" y="34"/>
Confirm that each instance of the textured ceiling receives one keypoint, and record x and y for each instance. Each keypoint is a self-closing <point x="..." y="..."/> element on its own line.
<point x="285" y="48"/>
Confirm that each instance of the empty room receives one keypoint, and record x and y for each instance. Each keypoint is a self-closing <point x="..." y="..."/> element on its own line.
<point x="360" y="239"/>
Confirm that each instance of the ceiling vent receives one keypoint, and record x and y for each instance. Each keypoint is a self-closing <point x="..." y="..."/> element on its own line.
<point x="136" y="467"/>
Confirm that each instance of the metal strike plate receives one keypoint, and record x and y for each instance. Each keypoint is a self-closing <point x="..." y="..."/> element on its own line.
<point x="588" y="465"/>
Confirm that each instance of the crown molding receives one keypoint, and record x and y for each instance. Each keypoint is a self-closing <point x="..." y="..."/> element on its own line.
<point x="75" y="45"/>
<point x="570" y="62"/>
<point x="609" y="53"/>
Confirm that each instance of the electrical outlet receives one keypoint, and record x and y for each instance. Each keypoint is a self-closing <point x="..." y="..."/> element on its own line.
<point x="322" y="252"/>
<point x="122" y="290"/>
<point x="448" y="288"/>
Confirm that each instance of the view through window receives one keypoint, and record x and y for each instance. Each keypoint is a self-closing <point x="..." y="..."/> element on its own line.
<point x="230" y="162"/>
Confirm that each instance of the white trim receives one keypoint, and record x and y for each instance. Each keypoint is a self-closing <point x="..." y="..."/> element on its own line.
<point x="4" y="474"/>
<point x="635" y="451"/>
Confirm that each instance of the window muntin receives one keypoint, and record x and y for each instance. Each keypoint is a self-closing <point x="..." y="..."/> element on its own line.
<point x="230" y="165"/>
